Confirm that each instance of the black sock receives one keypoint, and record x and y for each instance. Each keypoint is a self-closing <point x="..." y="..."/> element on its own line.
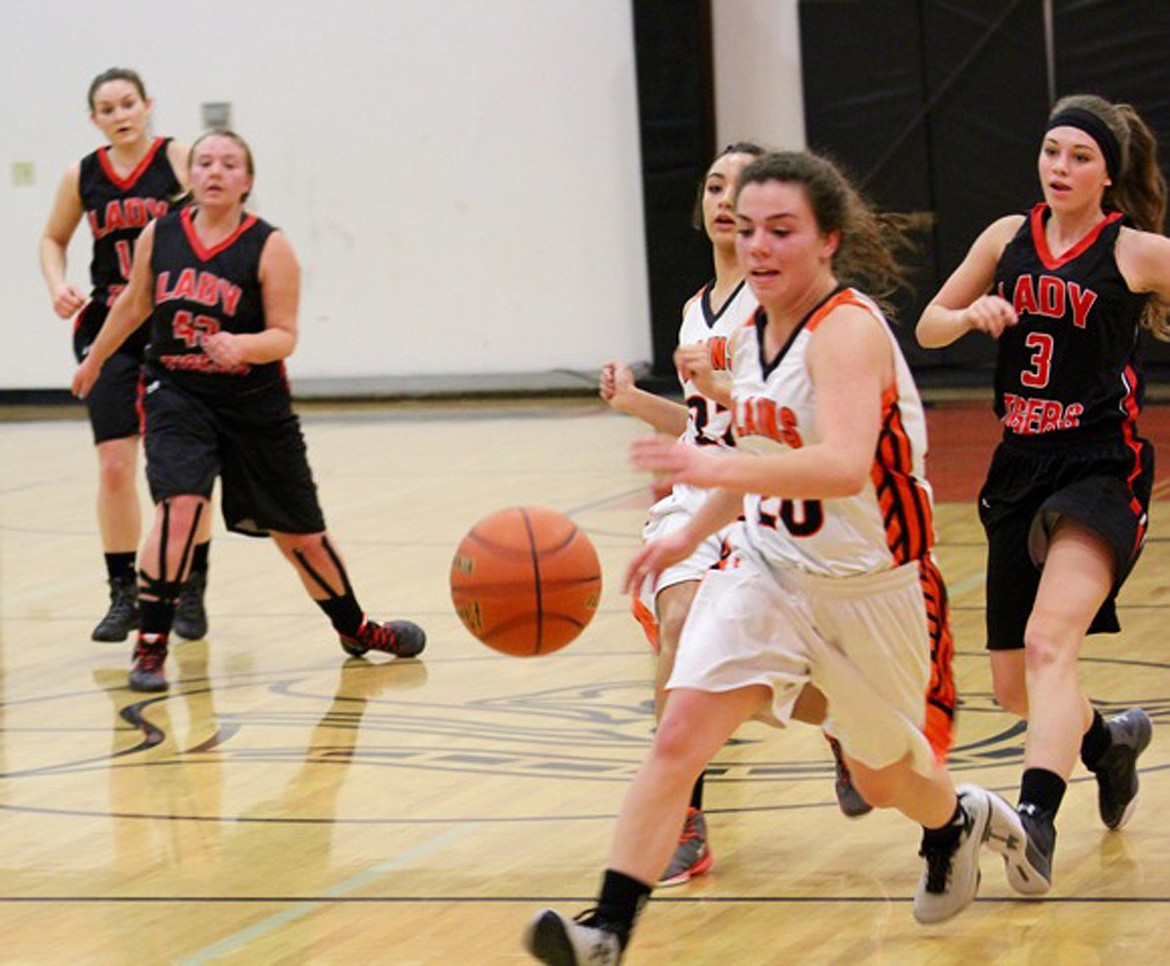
<point x="343" y="613"/>
<point x="697" y="792"/>
<point x="120" y="566"/>
<point x="948" y="835"/>
<point x="155" y="616"/>
<point x="1043" y="789"/>
<point x="620" y="902"/>
<point x="1096" y="741"/>
<point x="199" y="557"/>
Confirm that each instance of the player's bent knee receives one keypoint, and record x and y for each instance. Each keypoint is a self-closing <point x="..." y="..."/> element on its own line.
<point x="1012" y="696"/>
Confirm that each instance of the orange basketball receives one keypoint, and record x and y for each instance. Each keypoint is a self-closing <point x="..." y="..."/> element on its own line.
<point x="525" y="580"/>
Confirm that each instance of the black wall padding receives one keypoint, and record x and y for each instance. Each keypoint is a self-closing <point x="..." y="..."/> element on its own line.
<point x="985" y="127"/>
<point x="958" y="88"/>
<point x="862" y="75"/>
<point x="676" y="114"/>
<point x="1119" y="49"/>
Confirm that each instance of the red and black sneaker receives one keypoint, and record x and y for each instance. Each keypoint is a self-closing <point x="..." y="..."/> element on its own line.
<point x="150" y="654"/>
<point x="400" y="638"/>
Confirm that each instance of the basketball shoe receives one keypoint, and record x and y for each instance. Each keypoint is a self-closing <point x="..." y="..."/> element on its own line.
<point x="584" y="940"/>
<point x="146" y="674"/>
<point x="400" y="638"/>
<point x="1117" y="774"/>
<point x="190" y="615"/>
<point x="849" y="799"/>
<point x="950" y="880"/>
<point x="122" y="616"/>
<point x="1028" y="857"/>
<point x="692" y="857"/>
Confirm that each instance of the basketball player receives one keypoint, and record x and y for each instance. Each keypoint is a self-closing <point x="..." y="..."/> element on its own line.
<point x="118" y="189"/>
<point x="221" y="287"/>
<point x="709" y="319"/>
<point x="830" y="579"/>
<point x="1064" y="289"/>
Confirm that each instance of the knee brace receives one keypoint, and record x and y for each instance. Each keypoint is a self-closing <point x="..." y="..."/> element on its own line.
<point x="166" y="587"/>
<point x="165" y="591"/>
<point x="318" y="579"/>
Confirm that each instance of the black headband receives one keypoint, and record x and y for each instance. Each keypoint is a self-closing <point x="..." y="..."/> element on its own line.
<point x="1097" y="129"/>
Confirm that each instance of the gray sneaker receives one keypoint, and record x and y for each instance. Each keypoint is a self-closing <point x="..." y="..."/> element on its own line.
<point x="1117" y="774"/>
<point x="692" y="856"/>
<point x="122" y="617"/>
<point x="190" y="621"/>
<point x="951" y="878"/>
<point x="146" y="674"/>
<point x="581" y="941"/>
<point x="1026" y="850"/>
<point x="851" y="802"/>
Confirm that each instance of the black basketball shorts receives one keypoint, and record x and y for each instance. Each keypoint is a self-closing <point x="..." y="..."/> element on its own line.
<point x="1106" y="488"/>
<point x="114" y="403"/>
<point x="251" y="440"/>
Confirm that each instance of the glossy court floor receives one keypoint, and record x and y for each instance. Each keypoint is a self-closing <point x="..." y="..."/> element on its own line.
<point x="282" y="804"/>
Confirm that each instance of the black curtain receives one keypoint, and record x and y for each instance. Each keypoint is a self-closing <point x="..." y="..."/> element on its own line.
<point x="676" y="112"/>
<point x="1120" y="49"/>
<point x="934" y="107"/>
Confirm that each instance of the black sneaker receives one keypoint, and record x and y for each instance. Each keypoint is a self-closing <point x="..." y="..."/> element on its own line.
<point x="122" y="617"/>
<point x="400" y="638"/>
<point x="190" y="615"/>
<point x="849" y="799"/>
<point x="583" y="940"/>
<point x="1117" y="774"/>
<point x="149" y="657"/>
<point x="1029" y="861"/>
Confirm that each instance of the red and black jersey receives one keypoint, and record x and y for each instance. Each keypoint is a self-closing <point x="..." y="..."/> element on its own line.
<point x="1068" y="372"/>
<point x="117" y="210"/>
<point x="199" y="291"/>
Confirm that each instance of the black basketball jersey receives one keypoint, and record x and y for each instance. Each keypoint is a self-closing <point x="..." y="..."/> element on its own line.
<point x="200" y="291"/>
<point x="1068" y="372"/>
<point x="119" y="208"/>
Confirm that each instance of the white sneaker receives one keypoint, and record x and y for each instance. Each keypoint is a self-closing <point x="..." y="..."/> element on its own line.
<point x="951" y="878"/>
<point x="582" y="941"/>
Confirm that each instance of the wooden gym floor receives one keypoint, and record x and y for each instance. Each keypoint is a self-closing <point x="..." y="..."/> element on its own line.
<point x="282" y="804"/>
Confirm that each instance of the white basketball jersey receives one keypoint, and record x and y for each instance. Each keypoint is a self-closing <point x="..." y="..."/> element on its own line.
<point x="709" y="423"/>
<point x="887" y="524"/>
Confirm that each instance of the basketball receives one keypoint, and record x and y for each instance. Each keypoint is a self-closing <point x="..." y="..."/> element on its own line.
<point x="525" y="581"/>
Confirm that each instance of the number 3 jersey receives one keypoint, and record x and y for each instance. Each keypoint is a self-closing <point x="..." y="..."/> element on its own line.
<point x="199" y="291"/>
<point x="890" y="522"/>
<point x="1067" y="372"/>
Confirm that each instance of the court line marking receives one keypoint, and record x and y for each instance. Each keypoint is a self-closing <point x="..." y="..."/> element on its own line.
<point x="264" y="927"/>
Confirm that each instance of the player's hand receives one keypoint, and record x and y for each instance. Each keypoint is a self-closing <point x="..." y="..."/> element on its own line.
<point x="616" y="385"/>
<point x="675" y="462"/>
<point x="86" y="375"/>
<point x="67" y="301"/>
<point x="990" y="314"/>
<point x="656" y="556"/>
<point x="693" y="362"/>
<point x="225" y="349"/>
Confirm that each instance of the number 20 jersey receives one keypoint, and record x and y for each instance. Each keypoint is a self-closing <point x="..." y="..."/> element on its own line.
<point x="890" y="522"/>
